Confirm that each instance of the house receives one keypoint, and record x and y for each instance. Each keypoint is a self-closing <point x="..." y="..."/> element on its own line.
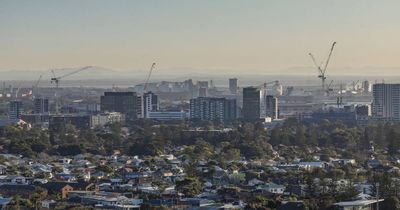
<point x="272" y="188"/>
<point x="358" y="204"/>
<point x="110" y="201"/>
<point x="254" y="182"/>
<point x="49" y="204"/>
<point x="13" y="180"/>
<point x="65" y="161"/>
<point x="312" y="165"/>
<point x="344" y="161"/>
<point x="10" y="190"/>
<point x="364" y="188"/>
<point x="4" y="202"/>
<point x="292" y="205"/>
<point x="296" y="189"/>
<point x="63" y="188"/>
<point x="65" y="177"/>
<point x="373" y="163"/>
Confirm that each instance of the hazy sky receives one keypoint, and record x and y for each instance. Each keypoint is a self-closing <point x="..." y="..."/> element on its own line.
<point x="258" y="35"/>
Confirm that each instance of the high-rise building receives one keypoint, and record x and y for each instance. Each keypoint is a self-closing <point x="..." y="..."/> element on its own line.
<point x="233" y="85"/>
<point x="202" y="92"/>
<point x="213" y="109"/>
<point x="230" y="109"/>
<point x="202" y="87"/>
<point x="41" y="106"/>
<point x="123" y="102"/>
<point x="254" y="103"/>
<point x="272" y="107"/>
<point x="386" y="102"/>
<point x="149" y="103"/>
<point x="15" y="110"/>
<point x="366" y="86"/>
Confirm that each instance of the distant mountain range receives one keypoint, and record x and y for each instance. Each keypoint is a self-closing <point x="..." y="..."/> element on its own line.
<point x="137" y="76"/>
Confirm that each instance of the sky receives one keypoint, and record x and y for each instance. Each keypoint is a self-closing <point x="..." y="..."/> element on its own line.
<point x="207" y="36"/>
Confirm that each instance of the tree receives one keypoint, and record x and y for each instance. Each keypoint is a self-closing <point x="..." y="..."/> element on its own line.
<point x="379" y="135"/>
<point x="190" y="186"/>
<point x="232" y="154"/>
<point x="300" y="137"/>
<point x="393" y="141"/>
<point x="275" y="136"/>
<point x="312" y="135"/>
<point x="392" y="203"/>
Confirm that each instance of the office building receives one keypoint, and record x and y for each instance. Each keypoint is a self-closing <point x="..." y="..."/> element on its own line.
<point x="254" y="104"/>
<point x="15" y="110"/>
<point x="213" y="109"/>
<point x="233" y="85"/>
<point x="41" y="106"/>
<point x="272" y="107"/>
<point x="123" y="102"/>
<point x="366" y="86"/>
<point x="202" y="92"/>
<point x="149" y="104"/>
<point x="202" y="87"/>
<point x="166" y="116"/>
<point x="230" y="109"/>
<point x="386" y="102"/>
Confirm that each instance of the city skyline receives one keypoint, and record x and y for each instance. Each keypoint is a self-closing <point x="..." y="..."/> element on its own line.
<point x="258" y="37"/>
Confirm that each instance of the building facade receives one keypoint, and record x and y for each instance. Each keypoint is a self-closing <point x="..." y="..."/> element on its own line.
<point x="165" y="116"/>
<point x="213" y="109"/>
<point x="233" y="85"/>
<point x="123" y="102"/>
<point x="386" y="102"/>
<point x="149" y="104"/>
<point x="41" y="106"/>
<point x="272" y="107"/>
<point x="15" y="110"/>
<point x="106" y="118"/>
<point x="254" y="103"/>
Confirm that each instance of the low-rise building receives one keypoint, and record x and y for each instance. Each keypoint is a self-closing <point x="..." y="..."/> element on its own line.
<point x="106" y="118"/>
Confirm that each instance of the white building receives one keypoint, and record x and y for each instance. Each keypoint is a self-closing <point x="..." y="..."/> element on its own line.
<point x="167" y="115"/>
<point x="106" y="118"/>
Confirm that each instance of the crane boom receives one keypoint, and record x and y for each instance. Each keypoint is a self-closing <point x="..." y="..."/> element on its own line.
<point x="148" y="77"/>
<point x="38" y="81"/>
<point x="315" y="62"/>
<point x="74" y="72"/>
<point x="56" y="81"/>
<point x="268" y="83"/>
<point x="35" y="89"/>
<point x="329" y="57"/>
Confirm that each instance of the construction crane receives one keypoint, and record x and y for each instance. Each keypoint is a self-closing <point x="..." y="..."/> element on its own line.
<point x="264" y="85"/>
<point x="322" y="69"/>
<point x="56" y="81"/>
<point x="329" y="89"/>
<point x="148" y="77"/>
<point x="355" y="85"/>
<point x="35" y="89"/>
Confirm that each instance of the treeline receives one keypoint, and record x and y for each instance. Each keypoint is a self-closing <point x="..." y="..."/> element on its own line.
<point x="249" y="140"/>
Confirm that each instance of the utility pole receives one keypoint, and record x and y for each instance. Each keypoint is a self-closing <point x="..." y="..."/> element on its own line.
<point x="377" y="196"/>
